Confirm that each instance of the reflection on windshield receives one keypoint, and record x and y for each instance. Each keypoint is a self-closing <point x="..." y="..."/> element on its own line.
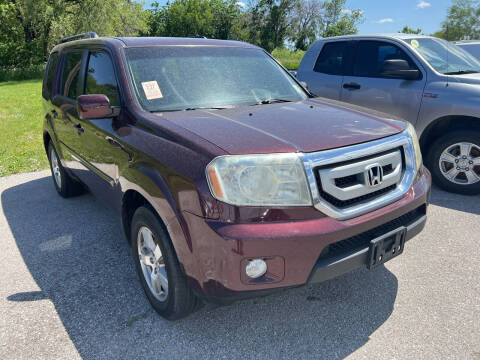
<point x="446" y="58"/>
<point x="170" y="78"/>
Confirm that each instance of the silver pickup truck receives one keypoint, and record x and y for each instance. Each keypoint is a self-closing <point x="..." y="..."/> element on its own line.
<point x="430" y="82"/>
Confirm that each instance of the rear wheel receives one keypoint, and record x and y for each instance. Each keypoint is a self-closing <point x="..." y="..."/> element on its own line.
<point x="158" y="268"/>
<point x="65" y="185"/>
<point x="454" y="160"/>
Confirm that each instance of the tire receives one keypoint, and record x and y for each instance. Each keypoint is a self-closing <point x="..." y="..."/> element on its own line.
<point x="175" y="300"/>
<point x="446" y="158"/>
<point x="65" y="185"/>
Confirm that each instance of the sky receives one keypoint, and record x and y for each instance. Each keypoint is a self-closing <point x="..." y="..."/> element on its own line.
<point x="392" y="15"/>
<point x="387" y="16"/>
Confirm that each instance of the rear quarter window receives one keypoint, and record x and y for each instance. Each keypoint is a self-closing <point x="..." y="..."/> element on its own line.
<point x="50" y="71"/>
<point x="332" y="58"/>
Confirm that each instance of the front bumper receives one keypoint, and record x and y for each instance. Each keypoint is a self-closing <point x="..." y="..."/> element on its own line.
<point x="328" y="267"/>
<point x="298" y="252"/>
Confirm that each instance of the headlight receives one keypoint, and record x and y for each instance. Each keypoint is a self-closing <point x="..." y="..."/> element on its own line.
<point x="259" y="180"/>
<point x="416" y="146"/>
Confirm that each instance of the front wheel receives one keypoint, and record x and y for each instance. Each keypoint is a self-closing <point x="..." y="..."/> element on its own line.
<point x="454" y="161"/>
<point x="158" y="268"/>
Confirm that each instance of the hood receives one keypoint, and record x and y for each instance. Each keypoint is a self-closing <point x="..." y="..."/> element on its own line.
<point x="306" y="126"/>
<point x="473" y="79"/>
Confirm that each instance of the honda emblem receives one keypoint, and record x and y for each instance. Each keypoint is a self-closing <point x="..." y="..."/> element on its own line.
<point x="373" y="175"/>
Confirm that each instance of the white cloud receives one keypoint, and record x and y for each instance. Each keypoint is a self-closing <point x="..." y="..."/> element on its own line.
<point x="386" y="20"/>
<point x="423" y="4"/>
<point x="240" y="4"/>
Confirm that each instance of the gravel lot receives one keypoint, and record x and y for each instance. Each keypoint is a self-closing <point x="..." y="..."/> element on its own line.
<point x="69" y="290"/>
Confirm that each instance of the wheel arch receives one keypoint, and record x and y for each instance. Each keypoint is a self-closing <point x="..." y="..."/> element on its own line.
<point x="444" y="124"/>
<point x="46" y="140"/>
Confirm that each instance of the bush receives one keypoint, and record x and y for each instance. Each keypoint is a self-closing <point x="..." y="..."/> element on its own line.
<point x="24" y="73"/>
<point x="289" y="59"/>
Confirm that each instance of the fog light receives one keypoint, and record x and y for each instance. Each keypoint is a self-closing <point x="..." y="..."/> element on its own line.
<point x="256" y="268"/>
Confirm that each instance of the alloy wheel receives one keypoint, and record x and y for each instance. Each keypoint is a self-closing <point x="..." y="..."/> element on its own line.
<point x="460" y="163"/>
<point x="57" y="175"/>
<point x="152" y="263"/>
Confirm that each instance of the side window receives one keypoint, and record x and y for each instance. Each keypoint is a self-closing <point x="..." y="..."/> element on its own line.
<point x="71" y="75"/>
<point x="50" y="75"/>
<point x="101" y="77"/>
<point x="370" y="56"/>
<point x="331" y="59"/>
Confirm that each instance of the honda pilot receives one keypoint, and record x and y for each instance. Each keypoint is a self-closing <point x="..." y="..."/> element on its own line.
<point x="230" y="179"/>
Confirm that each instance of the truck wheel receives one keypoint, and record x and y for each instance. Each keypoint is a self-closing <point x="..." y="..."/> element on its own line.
<point x="158" y="268"/>
<point x="65" y="185"/>
<point x="454" y="161"/>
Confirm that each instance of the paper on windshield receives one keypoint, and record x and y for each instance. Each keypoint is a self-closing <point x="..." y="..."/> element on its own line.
<point x="151" y="89"/>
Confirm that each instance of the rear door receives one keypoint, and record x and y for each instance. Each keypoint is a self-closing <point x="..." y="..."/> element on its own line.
<point x="327" y="76"/>
<point x="363" y="84"/>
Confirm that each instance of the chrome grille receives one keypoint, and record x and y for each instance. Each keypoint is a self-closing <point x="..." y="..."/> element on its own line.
<point x="341" y="181"/>
<point x="346" y="184"/>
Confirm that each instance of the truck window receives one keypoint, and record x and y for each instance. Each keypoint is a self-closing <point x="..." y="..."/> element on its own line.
<point x="50" y="75"/>
<point x="332" y="58"/>
<point x="370" y="56"/>
<point x="101" y="77"/>
<point x="71" y="75"/>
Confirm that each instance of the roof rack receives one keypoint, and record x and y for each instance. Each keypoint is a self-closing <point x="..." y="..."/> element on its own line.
<point x="87" y="35"/>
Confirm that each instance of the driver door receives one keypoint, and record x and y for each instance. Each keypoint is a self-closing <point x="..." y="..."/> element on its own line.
<point x="363" y="84"/>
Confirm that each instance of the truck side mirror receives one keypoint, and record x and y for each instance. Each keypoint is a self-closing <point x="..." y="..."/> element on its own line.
<point x="94" y="106"/>
<point x="399" y="68"/>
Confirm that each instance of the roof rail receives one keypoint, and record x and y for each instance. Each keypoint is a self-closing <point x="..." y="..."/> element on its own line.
<point x="87" y="35"/>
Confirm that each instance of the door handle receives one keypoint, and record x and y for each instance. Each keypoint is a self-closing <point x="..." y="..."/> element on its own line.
<point x="55" y="114"/>
<point x="115" y="143"/>
<point x="79" y="128"/>
<point x="352" y="85"/>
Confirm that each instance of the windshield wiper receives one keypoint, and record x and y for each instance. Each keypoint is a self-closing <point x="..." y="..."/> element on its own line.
<point x="220" y="107"/>
<point x="271" y="101"/>
<point x="461" y="72"/>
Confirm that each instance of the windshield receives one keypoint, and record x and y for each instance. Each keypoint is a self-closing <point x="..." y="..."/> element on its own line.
<point x="444" y="57"/>
<point x="473" y="49"/>
<point x="169" y="78"/>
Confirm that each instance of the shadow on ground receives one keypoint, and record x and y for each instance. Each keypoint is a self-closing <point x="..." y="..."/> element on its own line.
<point x="75" y="251"/>
<point x="465" y="203"/>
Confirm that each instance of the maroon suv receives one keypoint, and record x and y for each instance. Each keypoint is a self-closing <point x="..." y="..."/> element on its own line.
<point x="231" y="180"/>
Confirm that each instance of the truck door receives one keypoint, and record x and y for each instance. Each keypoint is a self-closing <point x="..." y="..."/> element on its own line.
<point x="364" y="85"/>
<point x="327" y="76"/>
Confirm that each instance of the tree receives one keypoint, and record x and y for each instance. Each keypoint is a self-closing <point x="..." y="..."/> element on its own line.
<point x="408" y="30"/>
<point x="217" y="19"/>
<point x="463" y="20"/>
<point x="33" y="27"/>
<point x="304" y="19"/>
<point x="269" y="23"/>
<point x="439" y="34"/>
<point x="337" y="20"/>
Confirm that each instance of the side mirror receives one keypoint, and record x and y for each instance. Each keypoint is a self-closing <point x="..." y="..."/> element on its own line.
<point x="94" y="106"/>
<point x="399" y="68"/>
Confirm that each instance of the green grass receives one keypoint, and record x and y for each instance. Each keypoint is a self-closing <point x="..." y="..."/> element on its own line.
<point x="289" y="59"/>
<point x="21" y="144"/>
